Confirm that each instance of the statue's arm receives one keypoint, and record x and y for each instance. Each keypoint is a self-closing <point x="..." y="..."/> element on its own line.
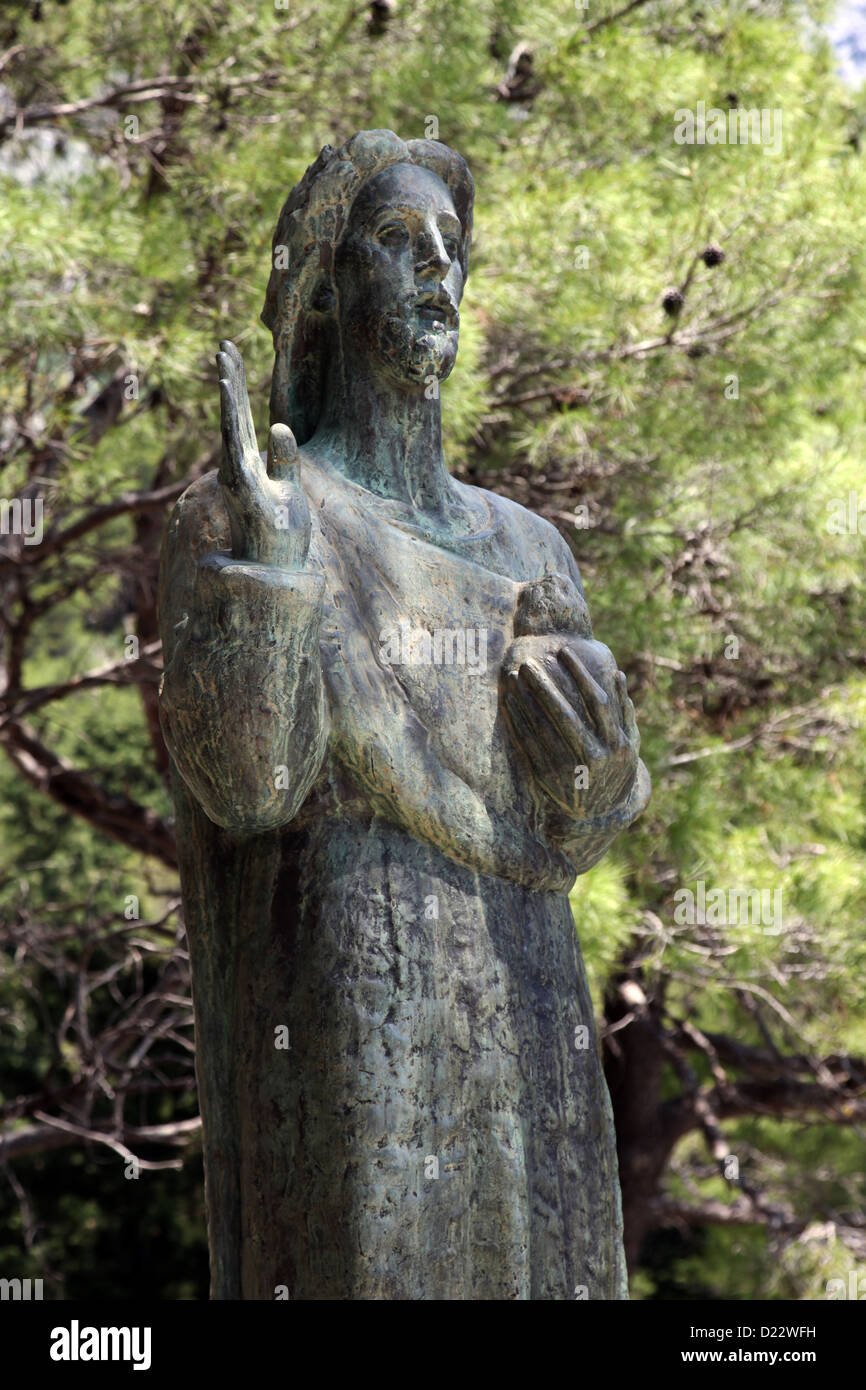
<point x="575" y="725"/>
<point x="242" y="703"/>
<point x="570" y="713"/>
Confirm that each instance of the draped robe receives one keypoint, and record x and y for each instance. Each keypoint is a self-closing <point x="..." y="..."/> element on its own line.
<point x="399" y="1075"/>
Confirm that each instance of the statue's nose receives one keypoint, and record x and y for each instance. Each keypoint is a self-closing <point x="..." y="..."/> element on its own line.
<point x="431" y="256"/>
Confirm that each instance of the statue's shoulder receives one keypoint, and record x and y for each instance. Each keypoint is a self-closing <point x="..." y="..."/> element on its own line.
<point x="531" y="538"/>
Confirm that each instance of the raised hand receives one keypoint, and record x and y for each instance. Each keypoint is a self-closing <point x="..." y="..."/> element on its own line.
<point x="268" y="512"/>
<point x="568" y="708"/>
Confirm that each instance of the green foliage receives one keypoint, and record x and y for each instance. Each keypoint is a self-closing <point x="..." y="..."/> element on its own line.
<point x="708" y="509"/>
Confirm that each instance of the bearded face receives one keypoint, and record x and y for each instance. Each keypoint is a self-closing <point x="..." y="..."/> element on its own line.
<point x="398" y="278"/>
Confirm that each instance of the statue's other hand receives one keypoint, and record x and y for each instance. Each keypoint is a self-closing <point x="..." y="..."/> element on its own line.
<point x="268" y="512"/>
<point x="567" y="705"/>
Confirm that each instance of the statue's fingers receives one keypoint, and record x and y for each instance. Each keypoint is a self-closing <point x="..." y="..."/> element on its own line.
<point x="534" y="734"/>
<point x="234" y="362"/>
<point x="228" y="365"/>
<point x="541" y="745"/>
<point x="641" y="788"/>
<point x="621" y="725"/>
<point x="586" y="683"/>
<point x="538" y="687"/>
<point x="232" y="368"/>
<point x="598" y="703"/>
<point x="283" y="464"/>
<point x="231" y="463"/>
<point x="565" y="720"/>
<point x="629" y="722"/>
<point x="559" y="675"/>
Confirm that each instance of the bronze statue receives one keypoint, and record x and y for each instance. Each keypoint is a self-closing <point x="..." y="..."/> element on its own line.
<point x="395" y="744"/>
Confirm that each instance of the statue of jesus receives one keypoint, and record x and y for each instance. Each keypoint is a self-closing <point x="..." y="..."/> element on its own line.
<point x="395" y="744"/>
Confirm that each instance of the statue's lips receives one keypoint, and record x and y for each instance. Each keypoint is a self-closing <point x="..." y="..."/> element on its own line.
<point x="436" y="312"/>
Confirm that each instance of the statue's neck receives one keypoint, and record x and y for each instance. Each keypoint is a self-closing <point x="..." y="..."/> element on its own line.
<point x="385" y="437"/>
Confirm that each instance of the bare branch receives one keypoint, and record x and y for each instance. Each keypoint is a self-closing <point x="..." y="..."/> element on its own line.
<point x="118" y="673"/>
<point x="617" y="14"/>
<point x="126" y="502"/>
<point x="115" y="815"/>
<point x="54" y="1133"/>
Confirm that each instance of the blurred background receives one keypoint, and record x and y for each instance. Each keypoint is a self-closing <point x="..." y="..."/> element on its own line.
<point x="662" y="351"/>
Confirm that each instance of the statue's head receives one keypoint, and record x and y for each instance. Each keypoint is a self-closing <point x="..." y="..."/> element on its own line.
<point x="370" y="256"/>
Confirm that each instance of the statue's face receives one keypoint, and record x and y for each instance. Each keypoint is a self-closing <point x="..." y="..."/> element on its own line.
<point x="398" y="276"/>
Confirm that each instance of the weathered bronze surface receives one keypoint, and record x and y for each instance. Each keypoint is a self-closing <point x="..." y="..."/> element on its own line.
<point x="395" y="743"/>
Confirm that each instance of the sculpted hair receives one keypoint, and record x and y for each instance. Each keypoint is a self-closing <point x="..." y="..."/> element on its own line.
<point x="312" y="222"/>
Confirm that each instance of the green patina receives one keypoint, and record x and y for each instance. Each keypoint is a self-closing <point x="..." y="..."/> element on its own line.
<point x="395" y="744"/>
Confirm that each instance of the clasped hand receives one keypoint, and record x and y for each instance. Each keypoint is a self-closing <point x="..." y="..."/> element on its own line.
<point x="569" y="710"/>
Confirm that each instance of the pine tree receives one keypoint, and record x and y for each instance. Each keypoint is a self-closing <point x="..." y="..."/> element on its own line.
<point x="662" y="351"/>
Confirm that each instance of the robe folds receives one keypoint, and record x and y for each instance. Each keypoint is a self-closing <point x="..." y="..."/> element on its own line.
<point x="399" y="1075"/>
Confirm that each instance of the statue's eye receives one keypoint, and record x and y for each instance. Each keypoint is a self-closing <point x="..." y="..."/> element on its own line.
<point x="452" y="245"/>
<point x="392" y="234"/>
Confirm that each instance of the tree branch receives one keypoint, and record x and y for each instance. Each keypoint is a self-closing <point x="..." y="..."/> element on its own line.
<point x="126" y="502"/>
<point x="617" y="14"/>
<point x="54" y="1133"/>
<point x="120" y="817"/>
<point x="130" y="94"/>
<point x="118" y="673"/>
